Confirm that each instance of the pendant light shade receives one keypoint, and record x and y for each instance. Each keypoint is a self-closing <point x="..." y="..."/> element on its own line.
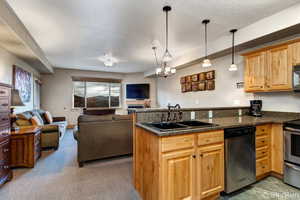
<point x="206" y="61"/>
<point x="163" y="69"/>
<point x="233" y="66"/>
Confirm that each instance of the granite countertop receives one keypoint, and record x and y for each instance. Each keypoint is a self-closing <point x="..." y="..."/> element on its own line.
<point x="147" y="110"/>
<point x="223" y="122"/>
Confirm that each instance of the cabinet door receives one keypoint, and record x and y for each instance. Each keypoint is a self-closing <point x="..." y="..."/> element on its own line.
<point x="255" y="66"/>
<point x="178" y="175"/>
<point x="210" y="169"/>
<point x="295" y="53"/>
<point x="279" y="75"/>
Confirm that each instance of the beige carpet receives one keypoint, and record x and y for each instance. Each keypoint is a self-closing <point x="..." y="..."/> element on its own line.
<point x="57" y="177"/>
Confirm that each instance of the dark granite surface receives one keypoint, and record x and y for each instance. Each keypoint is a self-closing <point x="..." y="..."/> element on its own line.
<point x="147" y="110"/>
<point x="224" y="122"/>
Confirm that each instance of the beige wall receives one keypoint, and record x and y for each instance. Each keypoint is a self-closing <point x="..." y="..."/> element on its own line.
<point x="7" y="60"/>
<point x="225" y="94"/>
<point x="57" y="90"/>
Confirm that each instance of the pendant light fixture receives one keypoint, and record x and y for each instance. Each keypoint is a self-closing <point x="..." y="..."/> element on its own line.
<point x="233" y="66"/>
<point x="163" y="69"/>
<point x="206" y="61"/>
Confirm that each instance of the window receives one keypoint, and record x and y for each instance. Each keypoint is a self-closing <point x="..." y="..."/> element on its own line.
<point x="96" y="94"/>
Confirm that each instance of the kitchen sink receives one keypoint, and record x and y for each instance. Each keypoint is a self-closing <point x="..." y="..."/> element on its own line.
<point x="167" y="126"/>
<point x="195" y="123"/>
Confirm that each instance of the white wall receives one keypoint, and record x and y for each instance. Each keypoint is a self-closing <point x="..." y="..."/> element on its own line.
<point x="57" y="90"/>
<point x="225" y="94"/>
<point x="7" y="60"/>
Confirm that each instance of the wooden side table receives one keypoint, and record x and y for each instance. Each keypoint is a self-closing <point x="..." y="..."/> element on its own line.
<point x="25" y="146"/>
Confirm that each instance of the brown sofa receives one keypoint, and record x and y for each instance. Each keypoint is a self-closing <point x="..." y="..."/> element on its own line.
<point x="103" y="136"/>
<point x="51" y="133"/>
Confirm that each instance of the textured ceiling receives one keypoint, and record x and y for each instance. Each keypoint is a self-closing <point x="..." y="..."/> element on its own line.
<point x="73" y="33"/>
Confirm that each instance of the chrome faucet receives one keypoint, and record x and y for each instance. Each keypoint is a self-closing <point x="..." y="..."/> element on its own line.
<point x="172" y="109"/>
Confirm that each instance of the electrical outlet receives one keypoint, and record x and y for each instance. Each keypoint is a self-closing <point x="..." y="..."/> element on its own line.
<point x="210" y="114"/>
<point x="193" y="116"/>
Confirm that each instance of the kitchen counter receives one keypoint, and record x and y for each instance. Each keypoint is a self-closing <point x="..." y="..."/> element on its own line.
<point x="223" y="122"/>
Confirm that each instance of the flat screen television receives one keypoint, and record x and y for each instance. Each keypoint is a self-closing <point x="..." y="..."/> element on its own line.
<point x="137" y="91"/>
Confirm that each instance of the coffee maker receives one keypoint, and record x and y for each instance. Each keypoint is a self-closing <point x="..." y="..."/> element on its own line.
<point x="255" y="108"/>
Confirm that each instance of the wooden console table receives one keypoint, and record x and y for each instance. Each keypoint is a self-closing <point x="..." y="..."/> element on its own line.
<point x="25" y="146"/>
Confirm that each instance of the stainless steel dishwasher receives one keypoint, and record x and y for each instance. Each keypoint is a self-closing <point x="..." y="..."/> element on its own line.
<point x="240" y="158"/>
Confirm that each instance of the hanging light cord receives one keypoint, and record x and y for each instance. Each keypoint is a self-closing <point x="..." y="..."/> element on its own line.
<point x="233" y="48"/>
<point x="167" y="32"/>
<point x="205" y="40"/>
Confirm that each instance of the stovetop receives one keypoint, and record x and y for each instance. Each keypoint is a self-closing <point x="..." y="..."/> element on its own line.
<point x="293" y="124"/>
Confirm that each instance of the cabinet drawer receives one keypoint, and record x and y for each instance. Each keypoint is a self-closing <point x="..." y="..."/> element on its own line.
<point x="262" y="152"/>
<point x="262" y="141"/>
<point x="4" y="152"/>
<point x="262" y="166"/>
<point x="263" y="129"/>
<point x="4" y="104"/>
<point x="4" y="118"/>
<point x="4" y="92"/>
<point x="177" y="142"/>
<point x="210" y="137"/>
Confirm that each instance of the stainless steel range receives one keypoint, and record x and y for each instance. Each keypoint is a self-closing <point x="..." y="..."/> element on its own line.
<point x="292" y="153"/>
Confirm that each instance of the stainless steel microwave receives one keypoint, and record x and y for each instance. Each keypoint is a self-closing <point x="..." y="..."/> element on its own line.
<point x="296" y="78"/>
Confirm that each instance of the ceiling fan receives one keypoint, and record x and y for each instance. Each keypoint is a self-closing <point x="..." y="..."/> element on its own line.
<point x="108" y="59"/>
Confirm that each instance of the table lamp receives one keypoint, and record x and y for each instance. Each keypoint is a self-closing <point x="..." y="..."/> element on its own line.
<point x="15" y="101"/>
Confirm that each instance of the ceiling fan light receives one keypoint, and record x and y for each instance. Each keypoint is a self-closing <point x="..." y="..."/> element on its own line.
<point x="233" y="67"/>
<point x="108" y="63"/>
<point x="206" y="63"/>
<point x="173" y="70"/>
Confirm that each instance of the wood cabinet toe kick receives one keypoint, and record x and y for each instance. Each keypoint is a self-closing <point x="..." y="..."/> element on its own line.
<point x="191" y="166"/>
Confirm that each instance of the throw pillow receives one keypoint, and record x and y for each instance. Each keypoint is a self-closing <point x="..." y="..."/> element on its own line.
<point x="36" y="121"/>
<point x="48" y="117"/>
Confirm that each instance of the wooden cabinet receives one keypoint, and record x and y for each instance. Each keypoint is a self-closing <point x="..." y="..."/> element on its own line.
<point x="183" y="167"/>
<point x="5" y="171"/>
<point x="255" y="72"/>
<point x="279" y="73"/>
<point x="277" y="149"/>
<point x="295" y="51"/>
<point x="270" y="69"/>
<point x="263" y="153"/>
<point x="210" y="168"/>
<point x="25" y="147"/>
<point x="179" y="175"/>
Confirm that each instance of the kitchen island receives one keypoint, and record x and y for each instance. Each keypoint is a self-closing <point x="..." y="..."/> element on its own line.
<point x="189" y="164"/>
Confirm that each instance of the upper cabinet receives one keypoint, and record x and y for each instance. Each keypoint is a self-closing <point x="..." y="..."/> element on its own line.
<point x="270" y="69"/>
<point x="255" y="72"/>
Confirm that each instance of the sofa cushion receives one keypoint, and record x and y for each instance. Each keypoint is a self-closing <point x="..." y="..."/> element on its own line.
<point x="36" y="121"/>
<point x="50" y="128"/>
<point x="23" y="122"/>
<point x="122" y="117"/>
<point x="48" y="117"/>
<point x="94" y="118"/>
<point x="38" y="115"/>
<point x="25" y="115"/>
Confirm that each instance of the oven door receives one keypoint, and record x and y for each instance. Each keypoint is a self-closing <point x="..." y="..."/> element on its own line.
<point x="292" y="145"/>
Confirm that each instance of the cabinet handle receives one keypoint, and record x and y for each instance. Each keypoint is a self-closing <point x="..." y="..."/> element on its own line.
<point x="5" y="167"/>
<point x="2" y="92"/>
<point x="5" y="104"/>
<point x="201" y="155"/>
<point x="5" y="150"/>
<point x="194" y="156"/>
